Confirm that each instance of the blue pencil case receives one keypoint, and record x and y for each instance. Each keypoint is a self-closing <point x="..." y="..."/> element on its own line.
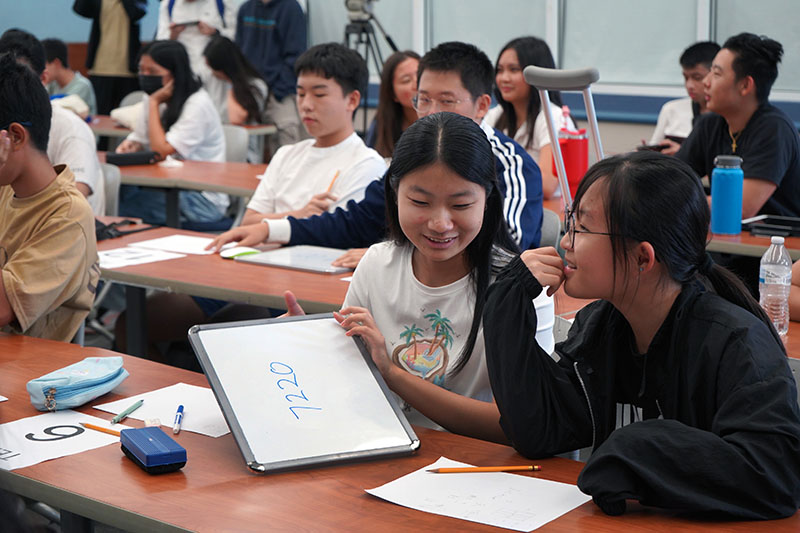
<point x="153" y="450"/>
<point x="76" y="384"/>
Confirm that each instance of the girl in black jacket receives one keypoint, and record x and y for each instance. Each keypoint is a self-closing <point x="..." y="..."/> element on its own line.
<point x="674" y="339"/>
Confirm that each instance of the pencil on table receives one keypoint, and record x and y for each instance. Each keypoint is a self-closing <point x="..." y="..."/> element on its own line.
<point x="100" y="428"/>
<point x="465" y="469"/>
<point x="335" y="176"/>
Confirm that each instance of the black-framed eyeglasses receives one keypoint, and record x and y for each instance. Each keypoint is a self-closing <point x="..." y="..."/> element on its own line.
<point x="571" y="230"/>
<point x="424" y="103"/>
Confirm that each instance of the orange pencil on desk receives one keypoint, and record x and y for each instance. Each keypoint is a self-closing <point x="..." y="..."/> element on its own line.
<point x="466" y="469"/>
<point x="100" y="428"/>
<point x="335" y="176"/>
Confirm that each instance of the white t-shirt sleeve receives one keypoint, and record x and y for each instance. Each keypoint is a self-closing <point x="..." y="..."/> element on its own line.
<point x="352" y="184"/>
<point x="280" y="231"/>
<point x="661" y="125"/>
<point x="541" y="136"/>
<point x="139" y="132"/>
<point x="71" y="142"/>
<point x="189" y="131"/>
<point x="263" y="199"/>
<point x="358" y="292"/>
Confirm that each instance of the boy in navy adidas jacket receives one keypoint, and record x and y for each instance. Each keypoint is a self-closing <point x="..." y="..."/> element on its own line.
<point x="454" y="77"/>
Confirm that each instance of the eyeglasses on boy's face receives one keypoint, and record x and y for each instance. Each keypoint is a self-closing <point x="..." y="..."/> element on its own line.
<point x="423" y="104"/>
<point x="570" y="228"/>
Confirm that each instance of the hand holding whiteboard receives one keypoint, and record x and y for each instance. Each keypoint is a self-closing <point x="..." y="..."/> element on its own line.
<point x="297" y="392"/>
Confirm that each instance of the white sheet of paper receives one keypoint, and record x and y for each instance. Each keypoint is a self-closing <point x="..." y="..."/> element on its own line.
<point x="182" y="244"/>
<point x="201" y="412"/>
<point x="122" y="257"/>
<point x="499" y="499"/>
<point x="171" y="162"/>
<point x="35" y="439"/>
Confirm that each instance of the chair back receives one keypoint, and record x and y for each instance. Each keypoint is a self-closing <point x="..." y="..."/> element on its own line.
<point x="80" y="335"/>
<point x="236" y="140"/>
<point x="551" y="229"/>
<point x="131" y="98"/>
<point x="112" y="178"/>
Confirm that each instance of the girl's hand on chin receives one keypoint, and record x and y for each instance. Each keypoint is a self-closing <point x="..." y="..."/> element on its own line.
<point x="546" y="266"/>
<point x="164" y="93"/>
<point x="359" y="321"/>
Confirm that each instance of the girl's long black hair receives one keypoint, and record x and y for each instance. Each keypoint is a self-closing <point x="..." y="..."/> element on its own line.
<point x="172" y="56"/>
<point x="389" y="115"/>
<point x="223" y="55"/>
<point x="461" y="145"/>
<point x="651" y="197"/>
<point x="530" y="51"/>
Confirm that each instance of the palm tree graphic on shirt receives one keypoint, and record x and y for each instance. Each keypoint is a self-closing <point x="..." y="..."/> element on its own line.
<point x="426" y="357"/>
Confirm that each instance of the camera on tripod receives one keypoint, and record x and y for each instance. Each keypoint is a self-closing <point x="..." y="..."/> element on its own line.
<point x="359" y="10"/>
<point x="359" y="27"/>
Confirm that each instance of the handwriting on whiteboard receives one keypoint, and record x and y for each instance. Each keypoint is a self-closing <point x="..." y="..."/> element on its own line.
<point x="283" y="383"/>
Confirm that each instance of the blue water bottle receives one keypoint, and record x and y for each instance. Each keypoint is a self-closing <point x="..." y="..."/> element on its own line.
<point x="726" y="195"/>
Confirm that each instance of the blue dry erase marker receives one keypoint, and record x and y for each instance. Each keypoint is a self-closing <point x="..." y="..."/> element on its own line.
<point x="176" y="426"/>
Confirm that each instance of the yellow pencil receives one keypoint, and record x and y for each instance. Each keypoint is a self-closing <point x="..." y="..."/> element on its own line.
<point x="465" y="469"/>
<point x="99" y="428"/>
<point x="335" y="176"/>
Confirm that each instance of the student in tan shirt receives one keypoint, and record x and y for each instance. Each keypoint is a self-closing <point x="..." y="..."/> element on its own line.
<point x="48" y="253"/>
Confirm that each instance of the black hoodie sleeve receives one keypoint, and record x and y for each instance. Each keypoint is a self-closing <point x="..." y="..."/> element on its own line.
<point x="747" y="466"/>
<point x="543" y="411"/>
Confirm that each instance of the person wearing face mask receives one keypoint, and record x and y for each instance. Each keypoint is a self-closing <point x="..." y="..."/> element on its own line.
<point x="180" y="120"/>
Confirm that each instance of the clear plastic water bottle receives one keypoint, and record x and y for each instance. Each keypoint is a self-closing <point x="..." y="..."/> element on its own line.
<point x="774" y="280"/>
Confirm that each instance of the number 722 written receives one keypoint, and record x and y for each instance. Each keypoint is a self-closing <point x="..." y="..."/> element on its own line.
<point x="290" y="380"/>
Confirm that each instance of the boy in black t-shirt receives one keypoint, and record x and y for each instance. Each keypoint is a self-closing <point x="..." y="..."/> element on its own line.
<point x="744" y="123"/>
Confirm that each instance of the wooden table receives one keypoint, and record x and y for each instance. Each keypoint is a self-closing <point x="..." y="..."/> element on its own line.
<point x="216" y="492"/>
<point x="105" y="126"/>
<point x="210" y="276"/>
<point x="236" y="179"/>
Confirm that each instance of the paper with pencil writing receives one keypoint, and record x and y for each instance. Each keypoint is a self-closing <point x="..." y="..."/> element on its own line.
<point x="512" y="501"/>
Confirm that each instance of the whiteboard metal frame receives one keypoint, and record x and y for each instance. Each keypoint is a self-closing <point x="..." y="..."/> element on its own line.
<point x="322" y="460"/>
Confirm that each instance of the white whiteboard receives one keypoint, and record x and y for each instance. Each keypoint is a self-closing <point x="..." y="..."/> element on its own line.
<point x="298" y="392"/>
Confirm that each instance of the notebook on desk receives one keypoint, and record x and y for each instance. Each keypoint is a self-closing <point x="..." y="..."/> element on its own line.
<point x="302" y="257"/>
<point x="769" y="225"/>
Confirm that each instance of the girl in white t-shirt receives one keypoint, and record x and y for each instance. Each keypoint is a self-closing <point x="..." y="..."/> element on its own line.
<point x="246" y="94"/>
<point x="520" y="114"/>
<point x="179" y="120"/>
<point x="417" y="299"/>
